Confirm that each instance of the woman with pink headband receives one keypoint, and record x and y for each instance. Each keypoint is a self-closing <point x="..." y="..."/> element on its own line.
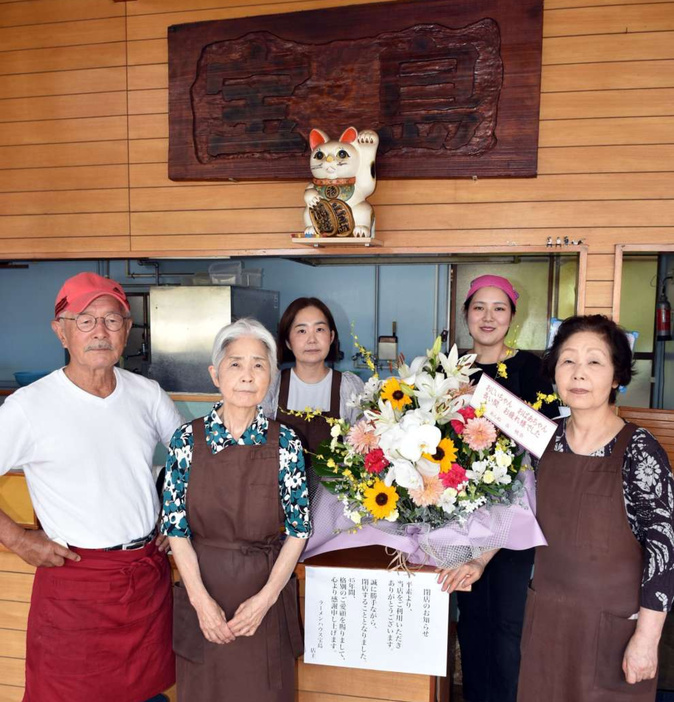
<point x="492" y="614"/>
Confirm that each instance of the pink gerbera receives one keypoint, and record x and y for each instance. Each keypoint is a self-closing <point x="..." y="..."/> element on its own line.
<point x="479" y="433"/>
<point x="430" y="494"/>
<point x="362" y="438"/>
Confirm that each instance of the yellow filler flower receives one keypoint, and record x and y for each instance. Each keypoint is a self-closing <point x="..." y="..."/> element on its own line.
<point x="445" y="455"/>
<point x="393" y="392"/>
<point x="380" y="499"/>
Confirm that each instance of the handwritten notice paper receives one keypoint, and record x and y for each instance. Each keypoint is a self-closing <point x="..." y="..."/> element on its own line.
<point x="523" y="424"/>
<point x="376" y="619"/>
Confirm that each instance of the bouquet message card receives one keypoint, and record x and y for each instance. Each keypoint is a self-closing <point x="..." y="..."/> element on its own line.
<point x="523" y="424"/>
<point x="376" y="619"/>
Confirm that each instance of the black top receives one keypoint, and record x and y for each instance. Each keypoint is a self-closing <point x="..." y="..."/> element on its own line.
<point x="524" y="379"/>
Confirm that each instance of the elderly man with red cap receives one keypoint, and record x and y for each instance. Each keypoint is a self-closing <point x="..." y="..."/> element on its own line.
<point x="99" y="626"/>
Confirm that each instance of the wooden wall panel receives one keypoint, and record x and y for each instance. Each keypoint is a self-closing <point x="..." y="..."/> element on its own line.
<point x="88" y="80"/>
<point x="38" y="36"/>
<point x="607" y="103"/>
<point x="656" y="17"/>
<point x="69" y="202"/>
<point x="64" y="131"/>
<point x="10" y="694"/>
<point x="67" y="178"/>
<point x="55" y="155"/>
<point x="644" y="46"/>
<point x="12" y="671"/>
<point x="605" y="158"/>
<point x="607" y="75"/>
<point x="66" y="58"/>
<point x="17" y="14"/>
<point x="58" y="226"/>
<point x="63" y="107"/>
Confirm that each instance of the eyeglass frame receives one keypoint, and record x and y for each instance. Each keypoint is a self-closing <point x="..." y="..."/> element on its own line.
<point x="95" y="318"/>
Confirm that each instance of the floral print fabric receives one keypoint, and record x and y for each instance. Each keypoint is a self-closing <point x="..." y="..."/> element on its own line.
<point x="292" y="477"/>
<point x="648" y="489"/>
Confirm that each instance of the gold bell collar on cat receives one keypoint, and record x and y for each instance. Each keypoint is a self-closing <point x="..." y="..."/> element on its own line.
<point x="335" y="189"/>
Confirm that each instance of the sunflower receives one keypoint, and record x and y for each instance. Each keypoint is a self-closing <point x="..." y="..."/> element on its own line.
<point x="393" y="392"/>
<point x="380" y="499"/>
<point x="445" y="455"/>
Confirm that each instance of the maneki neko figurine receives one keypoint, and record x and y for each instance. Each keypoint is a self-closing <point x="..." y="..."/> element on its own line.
<point x="344" y="177"/>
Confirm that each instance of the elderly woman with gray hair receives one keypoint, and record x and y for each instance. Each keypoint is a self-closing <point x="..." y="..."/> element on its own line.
<point x="235" y="482"/>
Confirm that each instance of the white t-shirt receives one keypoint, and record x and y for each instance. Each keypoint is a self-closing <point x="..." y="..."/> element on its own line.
<point x="317" y="395"/>
<point x="87" y="459"/>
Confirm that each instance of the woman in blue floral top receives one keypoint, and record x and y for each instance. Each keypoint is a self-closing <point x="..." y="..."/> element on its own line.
<point x="235" y="509"/>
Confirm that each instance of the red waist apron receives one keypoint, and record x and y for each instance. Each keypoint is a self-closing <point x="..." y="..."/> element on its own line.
<point x="100" y="629"/>
<point x="310" y="432"/>
<point x="586" y="586"/>
<point x="235" y="516"/>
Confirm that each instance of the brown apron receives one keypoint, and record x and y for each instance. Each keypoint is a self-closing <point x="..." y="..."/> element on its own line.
<point x="586" y="585"/>
<point x="311" y="432"/>
<point x="235" y="515"/>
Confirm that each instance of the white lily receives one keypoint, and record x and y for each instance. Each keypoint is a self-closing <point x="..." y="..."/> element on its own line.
<point x="427" y="468"/>
<point x="431" y="390"/>
<point x="458" y="368"/>
<point x="501" y="475"/>
<point x="384" y="419"/>
<point x="447" y="501"/>
<point x="368" y="393"/>
<point x="477" y="470"/>
<point x="404" y="474"/>
<point x="408" y="374"/>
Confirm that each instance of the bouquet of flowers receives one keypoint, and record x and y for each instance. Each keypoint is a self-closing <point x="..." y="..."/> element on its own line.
<point x="421" y="470"/>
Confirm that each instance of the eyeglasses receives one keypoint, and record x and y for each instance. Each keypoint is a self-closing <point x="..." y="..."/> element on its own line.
<point x="87" y="322"/>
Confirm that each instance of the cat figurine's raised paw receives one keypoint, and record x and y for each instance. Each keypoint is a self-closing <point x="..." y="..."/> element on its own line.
<point x="343" y="173"/>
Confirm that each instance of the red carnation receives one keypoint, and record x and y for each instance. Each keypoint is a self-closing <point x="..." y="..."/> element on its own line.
<point x="453" y="477"/>
<point x="467" y="413"/>
<point x="375" y="461"/>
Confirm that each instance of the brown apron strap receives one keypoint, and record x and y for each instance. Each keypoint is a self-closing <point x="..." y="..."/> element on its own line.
<point x="623" y="439"/>
<point x="335" y="394"/>
<point x="284" y="389"/>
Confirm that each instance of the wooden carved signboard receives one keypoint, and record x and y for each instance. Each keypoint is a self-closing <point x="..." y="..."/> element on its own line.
<point x="451" y="86"/>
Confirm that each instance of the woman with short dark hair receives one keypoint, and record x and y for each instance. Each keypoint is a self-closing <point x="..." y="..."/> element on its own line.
<point x="603" y="585"/>
<point x="308" y="337"/>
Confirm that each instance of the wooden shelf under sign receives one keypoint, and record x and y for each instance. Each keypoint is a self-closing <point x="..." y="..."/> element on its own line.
<point x="319" y="241"/>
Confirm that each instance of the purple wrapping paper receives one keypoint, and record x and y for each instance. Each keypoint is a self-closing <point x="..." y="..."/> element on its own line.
<point x="330" y="528"/>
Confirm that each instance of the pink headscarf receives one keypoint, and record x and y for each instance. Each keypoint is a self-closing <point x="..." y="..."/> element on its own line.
<point x="493" y="281"/>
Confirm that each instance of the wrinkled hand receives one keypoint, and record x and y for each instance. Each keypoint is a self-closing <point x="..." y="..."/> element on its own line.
<point x="162" y="543"/>
<point x="640" y="661"/>
<point x="461" y="578"/>
<point x="249" y="615"/>
<point x="213" y="622"/>
<point x="37" y="549"/>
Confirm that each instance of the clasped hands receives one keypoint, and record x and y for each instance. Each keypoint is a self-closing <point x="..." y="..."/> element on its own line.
<point x="463" y="577"/>
<point x="245" y="622"/>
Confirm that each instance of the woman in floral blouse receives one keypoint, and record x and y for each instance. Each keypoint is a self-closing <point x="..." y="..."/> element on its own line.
<point x="603" y="585"/>
<point x="235" y="509"/>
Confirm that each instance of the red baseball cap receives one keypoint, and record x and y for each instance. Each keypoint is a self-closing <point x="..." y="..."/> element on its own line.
<point x="82" y="289"/>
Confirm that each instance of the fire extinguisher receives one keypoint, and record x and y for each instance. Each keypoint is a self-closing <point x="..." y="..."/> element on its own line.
<point x="663" y="316"/>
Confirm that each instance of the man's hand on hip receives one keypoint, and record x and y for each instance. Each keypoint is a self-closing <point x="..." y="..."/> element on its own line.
<point x="38" y="550"/>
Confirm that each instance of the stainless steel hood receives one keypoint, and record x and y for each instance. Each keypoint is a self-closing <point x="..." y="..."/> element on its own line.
<point x="184" y="321"/>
